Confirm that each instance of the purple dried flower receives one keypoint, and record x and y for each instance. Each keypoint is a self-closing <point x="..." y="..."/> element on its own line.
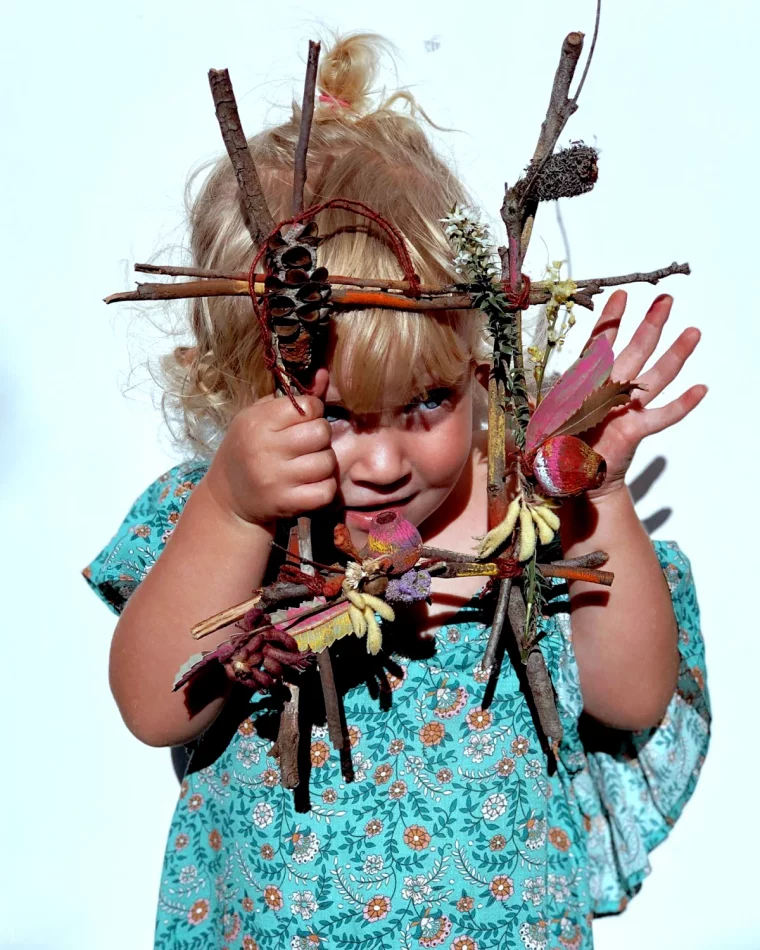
<point x="412" y="586"/>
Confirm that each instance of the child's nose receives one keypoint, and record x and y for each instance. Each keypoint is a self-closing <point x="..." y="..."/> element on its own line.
<point x="380" y="458"/>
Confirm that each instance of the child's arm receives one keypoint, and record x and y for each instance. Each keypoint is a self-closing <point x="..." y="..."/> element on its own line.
<point x="625" y="638"/>
<point x="272" y="463"/>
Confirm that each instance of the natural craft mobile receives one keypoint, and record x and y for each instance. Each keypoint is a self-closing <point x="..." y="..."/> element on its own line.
<point x="286" y="625"/>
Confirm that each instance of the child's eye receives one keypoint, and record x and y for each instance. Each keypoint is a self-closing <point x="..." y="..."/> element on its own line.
<point x="335" y="414"/>
<point x="433" y="399"/>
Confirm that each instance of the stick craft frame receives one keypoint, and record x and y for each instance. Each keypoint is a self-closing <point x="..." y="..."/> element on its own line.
<point x="534" y="455"/>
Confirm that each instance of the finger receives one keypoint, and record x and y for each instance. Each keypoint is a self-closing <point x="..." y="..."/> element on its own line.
<point x="312" y="436"/>
<point x="283" y="414"/>
<point x="609" y="321"/>
<point x="655" y="420"/>
<point x="319" y="384"/>
<point x="644" y="341"/>
<point x="316" y="495"/>
<point x="668" y="366"/>
<point x="312" y="468"/>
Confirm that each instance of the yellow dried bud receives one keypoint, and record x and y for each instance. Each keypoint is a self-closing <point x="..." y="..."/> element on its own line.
<point x="374" y="633"/>
<point x="545" y="533"/>
<point x="380" y="607"/>
<point x="527" y="536"/>
<point x="546" y="514"/>
<point x="357" y="621"/>
<point x="502" y="532"/>
<point x="355" y="597"/>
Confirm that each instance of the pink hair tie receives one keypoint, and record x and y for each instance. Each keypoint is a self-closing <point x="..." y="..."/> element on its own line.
<point x="333" y="101"/>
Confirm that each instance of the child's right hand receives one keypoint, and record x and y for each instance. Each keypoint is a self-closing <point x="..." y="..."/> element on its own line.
<point x="274" y="462"/>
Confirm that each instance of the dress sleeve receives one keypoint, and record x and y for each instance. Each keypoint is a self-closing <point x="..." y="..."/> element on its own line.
<point x="631" y="787"/>
<point x="135" y="547"/>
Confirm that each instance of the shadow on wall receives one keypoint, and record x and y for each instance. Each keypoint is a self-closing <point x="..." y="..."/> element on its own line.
<point x="639" y="489"/>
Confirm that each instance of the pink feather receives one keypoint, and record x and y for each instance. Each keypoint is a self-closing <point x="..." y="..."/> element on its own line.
<point x="567" y="395"/>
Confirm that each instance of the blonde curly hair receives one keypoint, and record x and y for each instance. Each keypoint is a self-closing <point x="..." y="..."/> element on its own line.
<point x="380" y="156"/>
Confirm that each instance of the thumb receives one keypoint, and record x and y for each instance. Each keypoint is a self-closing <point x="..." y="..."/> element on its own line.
<point x="319" y="384"/>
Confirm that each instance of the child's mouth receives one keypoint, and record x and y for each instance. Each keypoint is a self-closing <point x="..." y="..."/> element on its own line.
<point x="361" y="515"/>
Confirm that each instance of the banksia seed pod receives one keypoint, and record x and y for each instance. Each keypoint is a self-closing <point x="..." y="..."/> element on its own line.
<point x="571" y="171"/>
<point x="565" y="466"/>
<point x="297" y="294"/>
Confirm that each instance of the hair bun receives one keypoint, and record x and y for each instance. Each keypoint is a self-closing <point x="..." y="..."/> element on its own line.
<point x="348" y="70"/>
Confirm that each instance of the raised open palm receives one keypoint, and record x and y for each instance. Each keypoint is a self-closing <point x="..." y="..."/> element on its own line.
<point x="618" y="437"/>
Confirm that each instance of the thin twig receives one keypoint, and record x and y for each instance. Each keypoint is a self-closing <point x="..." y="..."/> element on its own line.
<point x="563" y="232"/>
<point x="307" y="114"/>
<point x="594" y="284"/>
<point x="260" y="222"/>
<point x="332" y="568"/>
<point x="590" y="52"/>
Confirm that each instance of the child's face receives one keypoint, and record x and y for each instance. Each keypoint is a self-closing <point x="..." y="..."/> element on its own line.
<point x="406" y="457"/>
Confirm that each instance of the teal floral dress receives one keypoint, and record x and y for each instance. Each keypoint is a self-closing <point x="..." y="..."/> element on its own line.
<point x="455" y="832"/>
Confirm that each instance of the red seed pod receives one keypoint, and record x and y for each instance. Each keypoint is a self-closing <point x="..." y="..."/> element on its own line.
<point x="565" y="465"/>
<point x="393" y="537"/>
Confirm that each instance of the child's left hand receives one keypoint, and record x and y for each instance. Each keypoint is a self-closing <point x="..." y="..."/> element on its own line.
<point x="618" y="437"/>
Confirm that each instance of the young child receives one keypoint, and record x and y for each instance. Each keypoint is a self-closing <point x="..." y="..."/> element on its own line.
<point x="456" y="831"/>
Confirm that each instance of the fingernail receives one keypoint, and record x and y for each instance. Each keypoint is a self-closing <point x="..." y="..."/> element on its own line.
<point x="661" y="297"/>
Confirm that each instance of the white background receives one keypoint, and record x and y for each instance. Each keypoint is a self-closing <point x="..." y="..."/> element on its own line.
<point x="105" y="110"/>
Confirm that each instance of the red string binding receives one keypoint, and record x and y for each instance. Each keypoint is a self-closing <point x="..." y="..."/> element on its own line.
<point x="518" y="300"/>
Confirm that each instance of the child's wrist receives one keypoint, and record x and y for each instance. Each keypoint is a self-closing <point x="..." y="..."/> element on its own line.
<point x="217" y="498"/>
<point x="580" y="516"/>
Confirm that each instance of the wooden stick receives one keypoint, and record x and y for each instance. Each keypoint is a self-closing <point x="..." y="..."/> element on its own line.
<point x="537" y="675"/>
<point x="307" y="114"/>
<point x="216" y="284"/>
<point x="592" y="559"/>
<point x="332" y="707"/>
<point x="375" y="282"/>
<point x="505" y="588"/>
<point x="343" y="299"/>
<point x="577" y="574"/>
<point x="264" y="597"/>
<point x="497" y="431"/>
<point x="260" y="222"/>
<point x="288" y="739"/>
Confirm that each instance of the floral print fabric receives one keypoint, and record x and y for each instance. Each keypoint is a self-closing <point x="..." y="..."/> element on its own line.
<point x="454" y="833"/>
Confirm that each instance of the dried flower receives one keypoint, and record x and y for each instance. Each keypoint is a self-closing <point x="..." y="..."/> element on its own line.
<point x="412" y="586"/>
